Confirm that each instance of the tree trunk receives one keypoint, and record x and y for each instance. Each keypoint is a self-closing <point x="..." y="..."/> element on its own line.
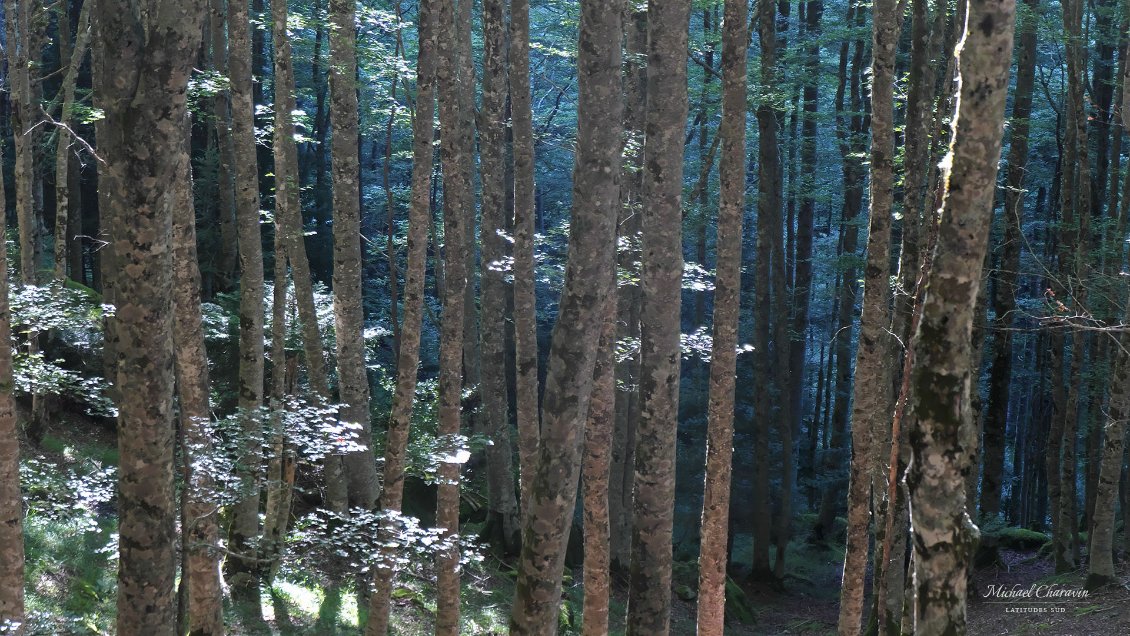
<point x="11" y="500"/>
<point x="349" y="320"/>
<point x="525" y="301"/>
<point x="649" y="596"/>
<point x="503" y="509"/>
<point x="551" y="494"/>
<point x="1004" y="292"/>
<point x="142" y="91"/>
<point x="242" y="570"/>
<point x="201" y="513"/>
<point x="597" y="446"/>
<point x="727" y="305"/>
<point x="62" y="155"/>
<point x="943" y="440"/>
<point x="629" y="296"/>
<point x="227" y="259"/>
<point x="768" y="234"/>
<point x="408" y="355"/>
<point x="458" y="202"/>
<point x="873" y="398"/>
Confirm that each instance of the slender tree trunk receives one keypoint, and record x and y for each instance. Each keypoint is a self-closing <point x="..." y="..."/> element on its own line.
<point x="458" y="201"/>
<point x="727" y="305"/>
<point x="503" y="508"/>
<point x="525" y="301"/>
<point x="944" y="440"/>
<point x="769" y="233"/>
<point x="649" y="596"/>
<point x="872" y="399"/>
<point x="408" y="356"/>
<point x="589" y="277"/>
<point x="597" y="446"/>
<point x="852" y="143"/>
<point x="142" y="91"/>
<point x="353" y="381"/>
<point x="629" y="296"/>
<point x="1004" y="292"/>
<point x="22" y="57"/>
<point x="62" y="155"/>
<point x="11" y="500"/>
<point x="227" y="259"/>
<point x="201" y="513"/>
<point x="242" y="570"/>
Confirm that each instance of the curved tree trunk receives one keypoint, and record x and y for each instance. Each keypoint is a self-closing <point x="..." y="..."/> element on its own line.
<point x="944" y="440"/>
<point x="727" y="305"/>
<point x="63" y="142"/>
<point x="551" y="493"/>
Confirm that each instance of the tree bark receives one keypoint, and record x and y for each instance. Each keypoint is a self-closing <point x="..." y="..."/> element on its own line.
<point x="142" y="78"/>
<point x="713" y="556"/>
<point x="943" y="440"/>
<point x="551" y="495"/>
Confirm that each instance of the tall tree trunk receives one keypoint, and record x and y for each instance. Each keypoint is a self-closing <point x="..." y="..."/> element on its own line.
<point x="769" y="233"/>
<point x="595" y="468"/>
<point x="458" y="202"/>
<point x="589" y="277"/>
<point x="201" y="513"/>
<point x="227" y="259"/>
<point x="408" y="355"/>
<point x="850" y="133"/>
<point x="242" y="570"/>
<point x="727" y="305"/>
<point x="349" y="320"/>
<point x="11" y="500"/>
<point x="1004" y="291"/>
<point x="503" y="509"/>
<point x="22" y="57"/>
<point x="872" y="400"/>
<point x="944" y="440"/>
<point x="629" y="296"/>
<point x="142" y="91"/>
<point x="525" y="301"/>
<point x="649" y="596"/>
<point x="62" y="155"/>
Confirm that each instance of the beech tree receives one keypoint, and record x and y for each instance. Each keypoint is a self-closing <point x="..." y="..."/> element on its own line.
<point x="142" y="90"/>
<point x="944" y="439"/>
<point x="551" y="495"/>
<point x="723" y="357"/>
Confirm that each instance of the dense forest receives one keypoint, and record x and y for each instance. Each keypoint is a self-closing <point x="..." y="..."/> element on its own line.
<point x="564" y="316"/>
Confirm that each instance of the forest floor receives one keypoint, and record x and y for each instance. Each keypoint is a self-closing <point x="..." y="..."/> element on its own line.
<point x="71" y="540"/>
